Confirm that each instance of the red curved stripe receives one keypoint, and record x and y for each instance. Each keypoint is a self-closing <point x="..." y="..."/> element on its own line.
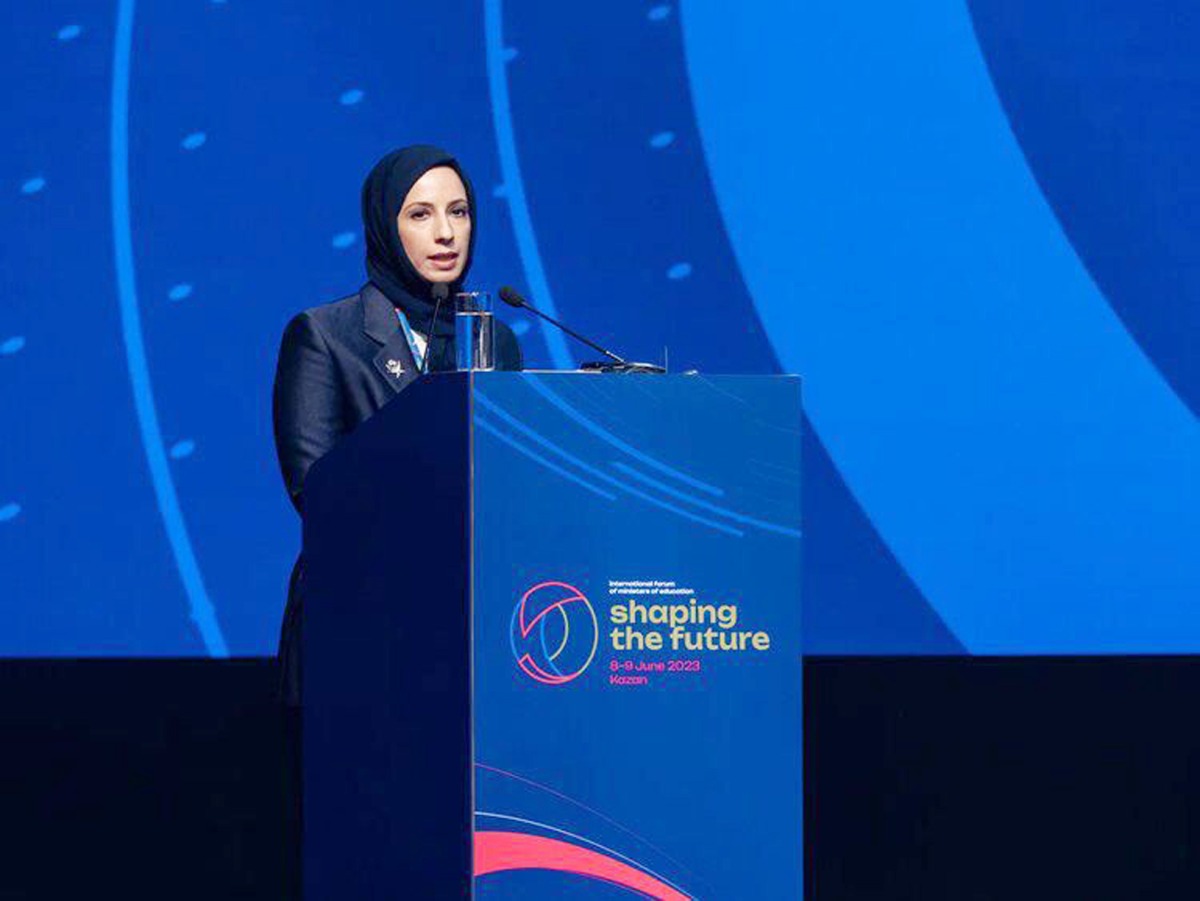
<point x="536" y="672"/>
<point x="497" y="851"/>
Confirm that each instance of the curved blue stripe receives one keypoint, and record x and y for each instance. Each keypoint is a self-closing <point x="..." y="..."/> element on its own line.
<point x="597" y="474"/>
<point x="546" y="648"/>
<point x="1012" y="445"/>
<point x="705" y="505"/>
<point x="512" y="623"/>
<point x="514" y="187"/>
<point x="538" y="458"/>
<point x="202" y="611"/>
<point x="603" y="434"/>
<point x="514" y="423"/>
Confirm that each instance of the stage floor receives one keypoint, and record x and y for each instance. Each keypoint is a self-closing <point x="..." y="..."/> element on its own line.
<point x="930" y="779"/>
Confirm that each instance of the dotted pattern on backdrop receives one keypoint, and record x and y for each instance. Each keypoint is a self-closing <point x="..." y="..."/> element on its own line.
<point x="183" y="178"/>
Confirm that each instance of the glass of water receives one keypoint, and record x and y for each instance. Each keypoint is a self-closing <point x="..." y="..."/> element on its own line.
<point x="473" y="331"/>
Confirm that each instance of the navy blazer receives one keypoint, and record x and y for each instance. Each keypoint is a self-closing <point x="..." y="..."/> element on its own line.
<point x="338" y="365"/>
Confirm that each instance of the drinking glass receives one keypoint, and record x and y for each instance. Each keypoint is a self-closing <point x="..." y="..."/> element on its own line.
<point x="473" y="331"/>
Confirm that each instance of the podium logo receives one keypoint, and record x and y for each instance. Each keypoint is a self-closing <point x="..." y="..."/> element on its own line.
<point x="554" y="633"/>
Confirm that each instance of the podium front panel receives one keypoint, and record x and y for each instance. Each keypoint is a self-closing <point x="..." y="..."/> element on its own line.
<point x="635" y="568"/>
<point x="386" y="584"/>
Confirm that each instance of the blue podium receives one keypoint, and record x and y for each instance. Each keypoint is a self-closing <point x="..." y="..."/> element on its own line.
<point x="552" y="642"/>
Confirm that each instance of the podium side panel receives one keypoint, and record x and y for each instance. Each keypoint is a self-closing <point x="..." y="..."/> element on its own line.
<point x="386" y="668"/>
<point x="637" y="637"/>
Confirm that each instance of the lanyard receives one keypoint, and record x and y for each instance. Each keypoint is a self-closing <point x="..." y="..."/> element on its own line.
<point x="411" y="337"/>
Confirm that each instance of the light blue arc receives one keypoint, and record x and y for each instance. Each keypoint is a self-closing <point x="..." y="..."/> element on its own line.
<point x="486" y="426"/>
<point x="202" y="611"/>
<point x="514" y="186"/>
<point x="1025" y="462"/>
<point x="592" y="471"/>
<point x="535" y="382"/>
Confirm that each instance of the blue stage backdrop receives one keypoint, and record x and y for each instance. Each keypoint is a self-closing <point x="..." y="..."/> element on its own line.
<point x="974" y="228"/>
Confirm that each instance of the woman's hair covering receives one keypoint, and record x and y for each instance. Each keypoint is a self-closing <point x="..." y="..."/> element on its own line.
<point x="388" y="266"/>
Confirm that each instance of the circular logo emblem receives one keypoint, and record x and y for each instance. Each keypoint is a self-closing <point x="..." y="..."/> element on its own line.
<point x="554" y="633"/>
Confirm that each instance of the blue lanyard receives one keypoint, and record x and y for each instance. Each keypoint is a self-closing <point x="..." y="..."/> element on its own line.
<point x="419" y="359"/>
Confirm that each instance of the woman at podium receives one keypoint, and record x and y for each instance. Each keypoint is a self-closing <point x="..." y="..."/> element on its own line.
<point x="341" y="362"/>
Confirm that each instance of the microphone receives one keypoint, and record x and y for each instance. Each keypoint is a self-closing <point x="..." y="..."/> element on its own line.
<point x="439" y="292"/>
<point x="510" y="296"/>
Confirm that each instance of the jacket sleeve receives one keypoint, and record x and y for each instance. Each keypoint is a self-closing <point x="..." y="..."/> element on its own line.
<point x="306" y="403"/>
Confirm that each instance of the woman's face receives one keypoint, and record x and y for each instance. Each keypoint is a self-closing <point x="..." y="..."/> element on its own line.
<point x="435" y="225"/>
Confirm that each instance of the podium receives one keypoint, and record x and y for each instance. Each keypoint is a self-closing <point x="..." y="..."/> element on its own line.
<point x="552" y="642"/>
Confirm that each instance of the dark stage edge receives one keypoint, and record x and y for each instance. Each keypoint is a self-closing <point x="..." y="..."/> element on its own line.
<point x="927" y="779"/>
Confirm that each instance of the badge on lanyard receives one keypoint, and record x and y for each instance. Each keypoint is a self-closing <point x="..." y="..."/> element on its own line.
<point x="411" y="337"/>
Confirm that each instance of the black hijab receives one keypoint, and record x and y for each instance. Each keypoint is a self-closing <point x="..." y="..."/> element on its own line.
<point x="388" y="266"/>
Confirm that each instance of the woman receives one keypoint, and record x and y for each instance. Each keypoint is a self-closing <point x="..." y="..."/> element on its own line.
<point x="339" y="363"/>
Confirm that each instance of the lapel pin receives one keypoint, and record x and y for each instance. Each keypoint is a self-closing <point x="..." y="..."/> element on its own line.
<point x="394" y="367"/>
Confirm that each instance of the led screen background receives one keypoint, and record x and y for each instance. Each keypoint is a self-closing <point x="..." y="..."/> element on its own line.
<point x="973" y="228"/>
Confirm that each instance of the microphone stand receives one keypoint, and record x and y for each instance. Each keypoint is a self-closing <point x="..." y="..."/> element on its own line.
<point x="615" y="364"/>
